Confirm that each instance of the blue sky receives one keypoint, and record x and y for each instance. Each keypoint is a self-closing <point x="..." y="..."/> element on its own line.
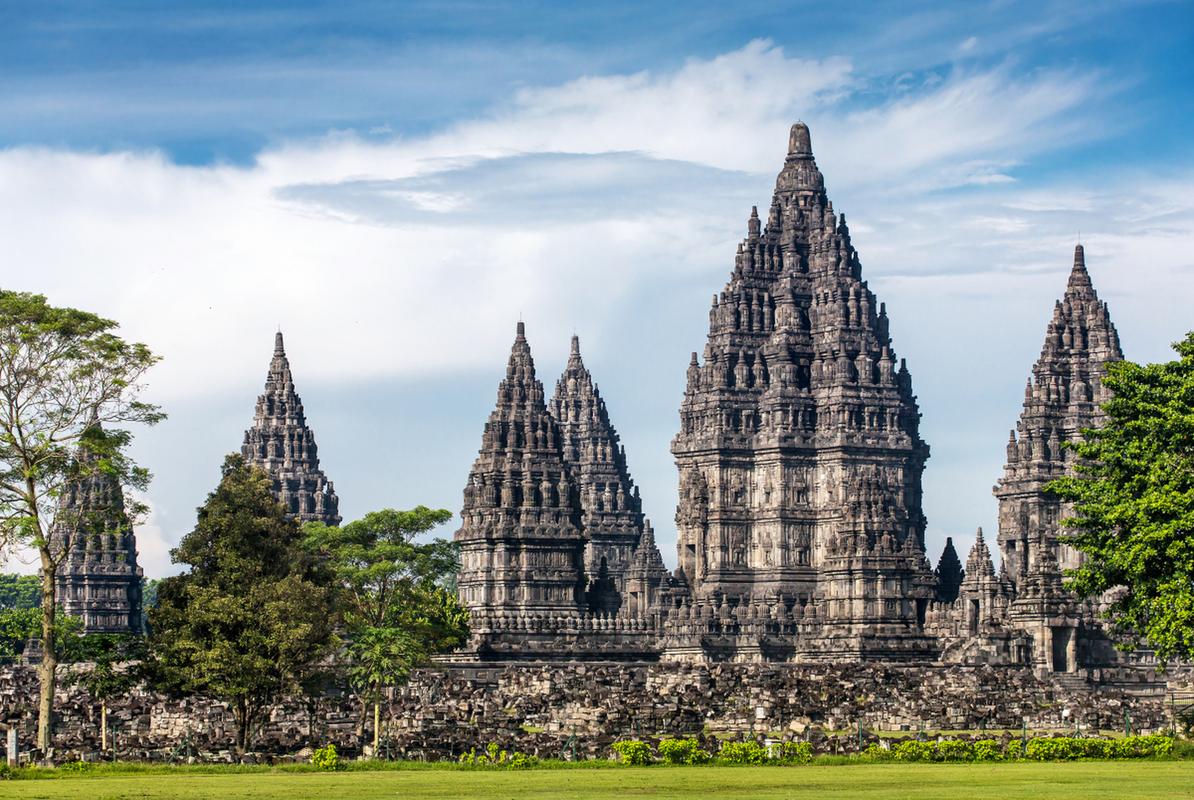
<point x="395" y="184"/>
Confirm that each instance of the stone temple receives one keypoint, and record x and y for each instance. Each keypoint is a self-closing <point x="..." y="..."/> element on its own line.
<point x="281" y="443"/>
<point x="800" y="527"/>
<point x="98" y="579"/>
<point x="800" y="523"/>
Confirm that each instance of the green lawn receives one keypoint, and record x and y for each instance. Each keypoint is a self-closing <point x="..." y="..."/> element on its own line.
<point x="1113" y="780"/>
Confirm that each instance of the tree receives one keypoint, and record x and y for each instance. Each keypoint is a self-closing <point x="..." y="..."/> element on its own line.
<point x="67" y="383"/>
<point x="949" y="573"/>
<point x="252" y="618"/>
<point x="393" y="597"/>
<point x="19" y="625"/>
<point x="19" y="591"/>
<point x="114" y="670"/>
<point x="1133" y="513"/>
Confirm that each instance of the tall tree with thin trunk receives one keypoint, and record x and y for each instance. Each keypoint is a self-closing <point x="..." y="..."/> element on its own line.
<point x="252" y="618"/>
<point x="67" y="385"/>
<point x="393" y="598"/>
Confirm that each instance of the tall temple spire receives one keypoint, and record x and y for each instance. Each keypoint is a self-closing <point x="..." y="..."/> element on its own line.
<point x="1063" y="397"/>
<point x="798" y="389"/>
<point x="612" y="511"/>
<point x="98" y="578"/>
<point x="281" y="443"/>
<point x="520" y="536"/>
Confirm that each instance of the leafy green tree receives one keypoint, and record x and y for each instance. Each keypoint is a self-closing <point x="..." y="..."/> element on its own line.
<point x="149" y="599"/>
<point x="19" y="591"/>
<point x="114" y="669"/>
<point x="67" y="384"/>
<point x="393" y="597"/>
<point x="19" y="625"/>
<point x="1133" y="502"/>
<point x="253" y="617"/>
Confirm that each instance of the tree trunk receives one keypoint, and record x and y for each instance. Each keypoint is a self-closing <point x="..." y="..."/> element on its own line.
<point x="103" y="726"/>
<point x="242" y="725"/>
<point x="376" y="726"/>
<point x="48" y="669"/>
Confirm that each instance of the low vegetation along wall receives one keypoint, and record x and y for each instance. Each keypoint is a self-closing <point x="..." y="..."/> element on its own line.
<point x="579" y="710"/>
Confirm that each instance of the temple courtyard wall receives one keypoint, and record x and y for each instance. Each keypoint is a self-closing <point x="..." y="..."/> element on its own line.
<point x="577" y="710"/>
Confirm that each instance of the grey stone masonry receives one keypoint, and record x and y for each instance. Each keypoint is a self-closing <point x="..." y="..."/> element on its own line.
<point x="799" y="451"/>
<point x="281" y="443"/>
<point x="98" y="579"/>
<point x="1061" y="399"/>
<point x="577" y="710"/>
<point x="611" y="510"/>
<point x="521" y="547"/>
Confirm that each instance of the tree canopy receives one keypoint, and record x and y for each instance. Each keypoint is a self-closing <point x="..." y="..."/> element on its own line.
<point x="1133" y="499"/>
<point x="393" y="595"/>
<point x="19" y="591"/>
<point x="253" y="617"/>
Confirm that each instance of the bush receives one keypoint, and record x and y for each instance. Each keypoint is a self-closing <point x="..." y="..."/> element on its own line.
<point x="876" y="752"/>
<point x="326" y="757"/>
<point x="953" y="750"/>
<point x="682" y="751"/>
<point x="522" y="761"/>
<point x="742" y="753"/>
<point x="1065" y="748"/>
<point x="793" y="753"/>
<point x="633" y="752"/>
<point x="912" y="750"/>
<point x="987" y="750"/>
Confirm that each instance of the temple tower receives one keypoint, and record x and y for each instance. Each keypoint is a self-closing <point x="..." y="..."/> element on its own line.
<point x="98" y="579"/>
<point x="522" y="551"/>
<point x="281" y="443"/>
<point x="611" y="510"/>
<point x="1062" y="398"/>
<point x="799" y="450"/>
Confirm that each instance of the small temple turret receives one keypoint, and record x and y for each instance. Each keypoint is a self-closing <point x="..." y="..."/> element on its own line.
<point x="611" y="510"/>
<point x="1063" y="398"/>
<point x="521" y="546"/>
<point x="98" y="579"/>
<point x="281" y="443"/>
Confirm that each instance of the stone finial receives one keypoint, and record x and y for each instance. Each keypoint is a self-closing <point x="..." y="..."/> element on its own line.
<point x="279" y="349"/>
<point x="799" y="142"/>
<point x="521" y="330"/>
<point x="574" y="359"/>
<point x="1079" y="277"/>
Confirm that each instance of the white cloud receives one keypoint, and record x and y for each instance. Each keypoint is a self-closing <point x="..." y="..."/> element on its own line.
<point x="602" y="204"/>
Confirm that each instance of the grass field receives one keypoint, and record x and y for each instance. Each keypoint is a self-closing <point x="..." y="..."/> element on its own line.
<point x="1155" y="780"/>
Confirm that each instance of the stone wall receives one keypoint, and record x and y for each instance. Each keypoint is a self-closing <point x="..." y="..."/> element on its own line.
<point x="550" y="710"/>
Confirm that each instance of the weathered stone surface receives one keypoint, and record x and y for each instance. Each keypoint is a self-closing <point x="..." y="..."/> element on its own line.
<point x="281" y="443"/>
<point x="579" y="709"/>
<point x="611" y="510"/>
<point x="97" y="579"/>
<point x="521" y="546"/>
